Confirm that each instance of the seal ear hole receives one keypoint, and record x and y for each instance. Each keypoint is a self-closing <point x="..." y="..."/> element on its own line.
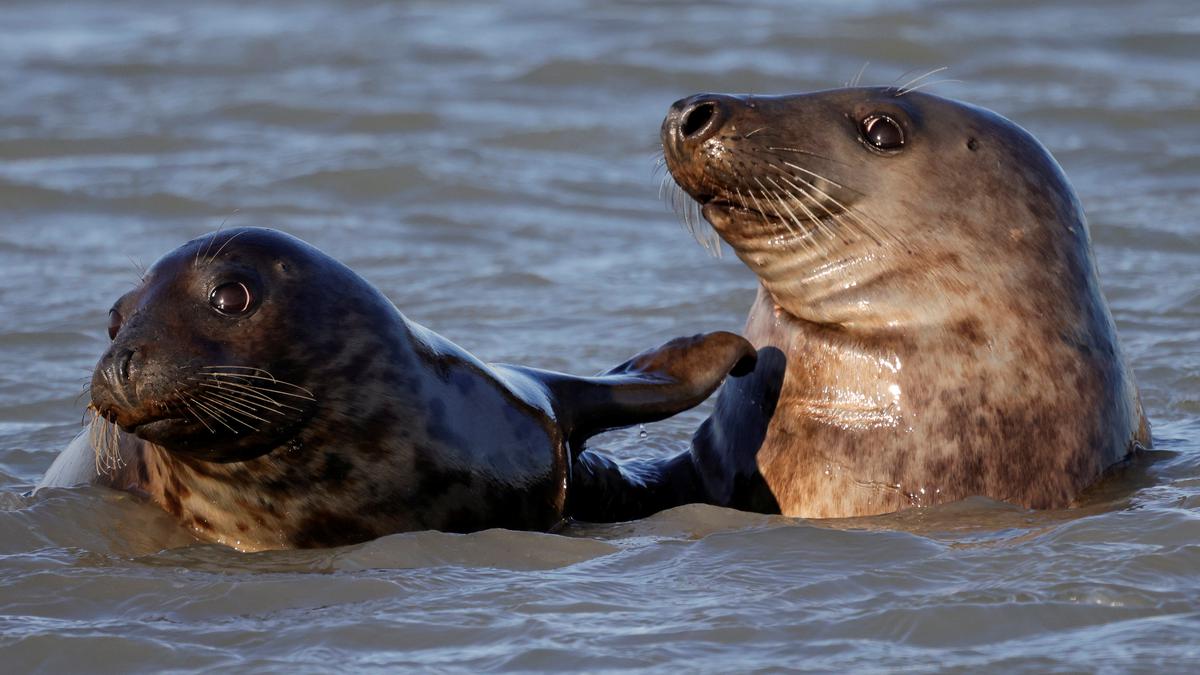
<point x="972" y="144"/>
<point x="231" y="298"/>
<point x="115" y="320"/>
<point x="882" y="132"/>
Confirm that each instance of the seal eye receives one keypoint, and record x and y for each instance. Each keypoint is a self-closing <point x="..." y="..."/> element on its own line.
<point x="114" y="323"/>
<point x="882" y="132"/>
<point x="231" y="298"/>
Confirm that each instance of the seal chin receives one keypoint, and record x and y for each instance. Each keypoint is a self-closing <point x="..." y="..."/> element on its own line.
<point x="722" y="214"/>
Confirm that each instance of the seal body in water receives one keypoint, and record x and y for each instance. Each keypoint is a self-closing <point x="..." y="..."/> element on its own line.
<point x="269" y="397"/>
<point x="929" y="320"/>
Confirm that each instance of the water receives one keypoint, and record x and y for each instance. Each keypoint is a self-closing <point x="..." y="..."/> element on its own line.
<point x="490" y="167"/>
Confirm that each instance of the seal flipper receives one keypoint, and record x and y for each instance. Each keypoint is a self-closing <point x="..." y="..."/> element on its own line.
<point x="75" y="465"/>
<point x="653" y="385"/>
<point x="604" y="490"/>
<point x="720" y="468"/>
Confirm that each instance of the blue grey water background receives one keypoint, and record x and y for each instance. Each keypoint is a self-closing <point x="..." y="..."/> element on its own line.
<point x="490" y="166"/>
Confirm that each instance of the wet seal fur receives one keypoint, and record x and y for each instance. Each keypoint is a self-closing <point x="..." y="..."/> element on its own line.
<point x="269" y="397"/>
<point x="929" y="319"/>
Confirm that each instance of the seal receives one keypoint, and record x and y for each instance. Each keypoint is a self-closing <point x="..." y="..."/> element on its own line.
<point x="929" y="319"/>
<point x="269" y="397"/>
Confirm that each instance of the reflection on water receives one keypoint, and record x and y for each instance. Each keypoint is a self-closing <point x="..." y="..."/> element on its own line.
<point x="491" y="168"/>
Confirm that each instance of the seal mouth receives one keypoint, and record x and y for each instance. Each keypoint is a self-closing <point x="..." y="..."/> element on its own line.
<point x="158" y="428"/>
<point x="775" y="215"/>
<point x="141" y="425"/>
<point x="220" y="413"/>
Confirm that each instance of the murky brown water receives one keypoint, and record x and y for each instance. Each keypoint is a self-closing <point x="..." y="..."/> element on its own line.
<point x="490" y="167"/>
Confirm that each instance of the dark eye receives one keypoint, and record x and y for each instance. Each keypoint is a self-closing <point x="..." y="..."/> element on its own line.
<point x="231" y="298"/>
<point x="883" y="132"/>
<point x="114" y="323"/>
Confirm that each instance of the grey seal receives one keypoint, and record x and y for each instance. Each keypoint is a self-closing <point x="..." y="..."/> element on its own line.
<point x="929" y="318"/>
<point x="267" y="396"/>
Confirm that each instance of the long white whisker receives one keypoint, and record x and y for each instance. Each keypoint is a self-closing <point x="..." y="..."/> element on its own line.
<point x="239" y="376"/>
<point x="245" y="393"/>
<point x="871" y="231"/>
<point x="214" y="415"/>
<point x="234" y="412"/>
<point x="926" y="84"/>
<point x="804" y="193"/>
<point x="774" y="208"/>
<point x="858" y="76"/>
<point x="818" y="176"/>
<point x="904" y="88"/>
<point x="198" y="416"/>
<point x="235" y="399"/>
<point x="812" y="217"/>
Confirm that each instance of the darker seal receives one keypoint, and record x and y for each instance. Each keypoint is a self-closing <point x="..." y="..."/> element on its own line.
<point x="271" y="398"/>
<point x="929" y="320"/>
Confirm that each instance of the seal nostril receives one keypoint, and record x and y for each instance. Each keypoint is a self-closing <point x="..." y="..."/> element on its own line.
<point x="122" y="363"/>
<point x="697" y="118"/>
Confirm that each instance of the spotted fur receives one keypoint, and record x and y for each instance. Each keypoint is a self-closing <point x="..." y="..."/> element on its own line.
<point x="929" y="318"/>
<point x="387" y="427"/>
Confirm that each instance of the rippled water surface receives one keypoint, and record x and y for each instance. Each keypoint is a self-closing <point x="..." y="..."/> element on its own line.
<point x="491" y="167"/>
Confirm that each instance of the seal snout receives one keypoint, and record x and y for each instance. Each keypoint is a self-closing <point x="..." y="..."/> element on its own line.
<point x="119" y="367"/>
<point x="113" y="387"/>
<point x="693" y="134"/>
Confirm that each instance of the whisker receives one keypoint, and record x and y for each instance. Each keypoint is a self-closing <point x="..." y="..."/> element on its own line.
<point x="926" y="84"/>
<point x="198" y="417"/>
<point x="758" y="204"/>
<point x="222" y="247"/>
<point x="243" y="403"/>
<point x="858" y="76"/>
<point x="904" y="88"/>
<point x="804" y="193"/>
<point x="141" y="269"/>
<point x="245" y="393"/>
<point x="811" y="216"/>
<point x="819" y="177"/>
<point x="689" y="214"/>
<point x="866" y="227"/>
<point x="901" y="76"/>
<point x="234" y="412"/>
<point x="212" y="237"/>
<point x="798" y="151"/>
<point x="242" y="376"/>
<point x="266" y="390"/>
<point x="774" y="208"/>
<point x="214" y="415"/>
<point x="105" y="438"/>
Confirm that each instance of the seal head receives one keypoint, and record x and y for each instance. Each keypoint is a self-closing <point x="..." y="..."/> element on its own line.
<point x="196" y="366"/>
<point x="929" y="319"/>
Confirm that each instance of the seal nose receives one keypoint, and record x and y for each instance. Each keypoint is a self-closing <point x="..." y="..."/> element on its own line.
<point x="121" y="364"/>
<point x="113" y="386"/>
<point x="698" y="118"/>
